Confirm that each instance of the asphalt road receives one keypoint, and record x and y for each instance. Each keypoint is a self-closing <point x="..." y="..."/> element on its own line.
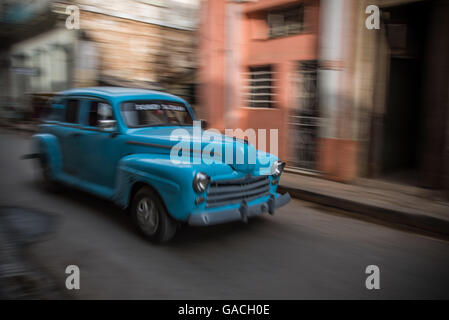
<point x="303" y="252"/>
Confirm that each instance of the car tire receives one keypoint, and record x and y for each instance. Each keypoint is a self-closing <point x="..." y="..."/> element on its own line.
<point x="150" y="216"/>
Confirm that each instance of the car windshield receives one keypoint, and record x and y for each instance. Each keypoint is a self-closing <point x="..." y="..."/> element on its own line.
<point x="155" y="113"/>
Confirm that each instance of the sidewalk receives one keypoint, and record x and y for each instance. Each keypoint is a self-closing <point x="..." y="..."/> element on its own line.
<point x="416" y="208"/>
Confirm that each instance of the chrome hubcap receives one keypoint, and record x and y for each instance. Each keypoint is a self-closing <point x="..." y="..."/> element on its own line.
<point x="147" y="215"/>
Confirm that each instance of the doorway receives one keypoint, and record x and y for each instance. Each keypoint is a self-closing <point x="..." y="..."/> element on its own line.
<point x="406" y="32"/>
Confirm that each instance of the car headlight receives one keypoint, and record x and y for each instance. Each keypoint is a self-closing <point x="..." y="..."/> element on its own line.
<point x="200" y="182"/>
<point x="278" y="167"/>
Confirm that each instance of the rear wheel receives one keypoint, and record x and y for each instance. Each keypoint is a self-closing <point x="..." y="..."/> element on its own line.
<point x="150" y="216"/>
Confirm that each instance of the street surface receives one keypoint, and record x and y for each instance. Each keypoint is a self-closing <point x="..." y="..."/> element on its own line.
<point x="303" y="252"/>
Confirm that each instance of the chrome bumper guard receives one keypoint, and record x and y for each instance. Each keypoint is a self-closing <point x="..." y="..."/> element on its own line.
<point x="242" y="213"/>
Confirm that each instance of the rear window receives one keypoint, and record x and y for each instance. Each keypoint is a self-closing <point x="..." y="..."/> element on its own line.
<point x="54" y="110"/>
<point x="56" y="114"/>
<point x="71" y="113"/>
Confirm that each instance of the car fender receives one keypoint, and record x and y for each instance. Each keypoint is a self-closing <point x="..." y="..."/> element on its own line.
<point x="47" y="145"/>
<point x="172" y="182"/>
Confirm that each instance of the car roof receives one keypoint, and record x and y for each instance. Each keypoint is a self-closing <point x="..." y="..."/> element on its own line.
<point x="120" y="92"/>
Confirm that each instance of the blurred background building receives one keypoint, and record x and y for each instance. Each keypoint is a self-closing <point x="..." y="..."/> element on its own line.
<point x="137" y="43"/>
<point x="349" y="102"/>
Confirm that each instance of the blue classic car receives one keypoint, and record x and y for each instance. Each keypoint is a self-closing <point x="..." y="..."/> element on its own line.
<point x="118" y="143"/>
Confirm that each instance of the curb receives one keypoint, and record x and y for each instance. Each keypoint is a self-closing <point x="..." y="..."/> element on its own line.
<point x="418" y="222"/>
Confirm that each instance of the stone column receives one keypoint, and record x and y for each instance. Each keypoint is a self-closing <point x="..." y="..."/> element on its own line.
<point x="337" y="151"/>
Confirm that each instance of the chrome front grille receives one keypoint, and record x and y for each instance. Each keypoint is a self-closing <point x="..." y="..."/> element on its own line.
<point x="225" y="192"/>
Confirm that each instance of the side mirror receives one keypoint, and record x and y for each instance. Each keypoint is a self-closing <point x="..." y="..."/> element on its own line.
<point x="107" y="125"/>
<point x="204" y="124"/>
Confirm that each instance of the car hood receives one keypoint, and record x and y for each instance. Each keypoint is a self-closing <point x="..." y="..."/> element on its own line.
<point x="214" y="147"/>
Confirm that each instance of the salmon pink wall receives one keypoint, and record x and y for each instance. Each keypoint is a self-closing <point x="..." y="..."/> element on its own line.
<point x="283" y="54"/>
<point x="255" y="49"/>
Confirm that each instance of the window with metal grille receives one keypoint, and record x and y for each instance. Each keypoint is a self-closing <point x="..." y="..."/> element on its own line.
<point x="286" y="22"/>
<point x="260" y="93"/>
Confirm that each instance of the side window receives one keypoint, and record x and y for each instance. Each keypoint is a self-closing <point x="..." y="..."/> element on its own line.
<point x="72" y="108"/>
<point x="57" y="113"/>
<point x="99" y="111"/>
<point x="53" y="111"/>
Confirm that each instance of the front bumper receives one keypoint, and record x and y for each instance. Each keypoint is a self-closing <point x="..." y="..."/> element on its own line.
<point x="243" y="213"/>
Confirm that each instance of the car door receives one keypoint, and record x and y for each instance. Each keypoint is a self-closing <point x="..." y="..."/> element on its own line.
<point x="69" y="133"/>
<point x="103" y="147"/>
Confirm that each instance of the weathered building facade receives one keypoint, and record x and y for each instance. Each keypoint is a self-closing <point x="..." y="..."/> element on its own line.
<point x="348" y="101"/>
<point x="147" y="44"/>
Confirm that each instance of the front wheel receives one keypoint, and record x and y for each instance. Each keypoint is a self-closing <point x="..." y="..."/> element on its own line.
<point x="150" y="216"/>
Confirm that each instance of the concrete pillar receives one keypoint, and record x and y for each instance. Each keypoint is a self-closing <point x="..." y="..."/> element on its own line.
<point x="212" y="62"/>
<point x="337" y="151"/>
<point x="233" y="60"/>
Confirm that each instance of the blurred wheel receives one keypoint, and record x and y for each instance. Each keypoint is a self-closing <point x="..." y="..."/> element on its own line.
<point x="150" y="216"/>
